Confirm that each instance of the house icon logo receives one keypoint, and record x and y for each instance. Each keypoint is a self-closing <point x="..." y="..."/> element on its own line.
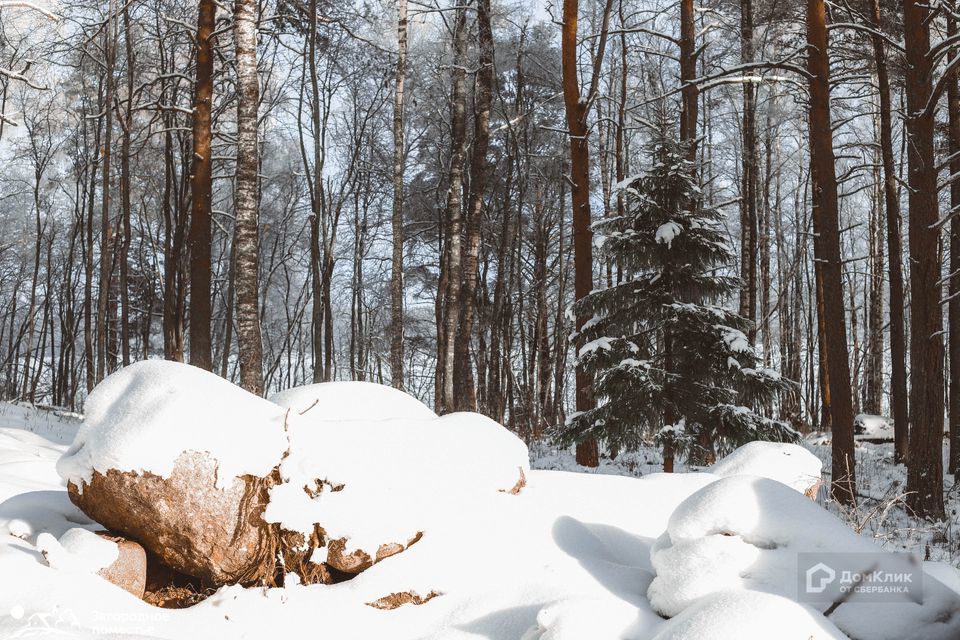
<point x="819" y="577"/>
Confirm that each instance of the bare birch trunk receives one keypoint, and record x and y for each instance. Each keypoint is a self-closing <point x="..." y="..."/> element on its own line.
<point x="106" y="227"/>
<point x="249" y="343"/>
<point x="396" y="276"/>
<point x="449" y="313"/>
<point x="465" y="393"/>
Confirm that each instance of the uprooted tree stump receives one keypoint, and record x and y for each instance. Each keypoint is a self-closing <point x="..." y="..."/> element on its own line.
<point x="215" y="535"/>
<point x="223" y="487"/>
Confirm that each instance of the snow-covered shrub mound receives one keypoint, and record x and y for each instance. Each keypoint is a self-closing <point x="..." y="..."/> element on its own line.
<point x="375" y="486"/>
<point x="788" y="463"/>
<point x="179" y="459"/>
<point x="744" y="533"/>
<point x="749" y="615"/>
<point x="349" y="400"/>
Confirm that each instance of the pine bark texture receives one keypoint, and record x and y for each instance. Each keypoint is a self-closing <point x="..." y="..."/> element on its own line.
<point x="953" y="310"/>
<point x="826" y="229"/>
<point x="689" y="92"/>
<point x="925" y="468"/>
<point x="576" y="112"/>
<point x="201" y="189"/>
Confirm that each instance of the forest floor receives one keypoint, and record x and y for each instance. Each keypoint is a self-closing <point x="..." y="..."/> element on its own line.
<point x="616" y="553"/>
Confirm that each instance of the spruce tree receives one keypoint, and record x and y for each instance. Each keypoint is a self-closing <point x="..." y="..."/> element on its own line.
<point x="667" y="359"/>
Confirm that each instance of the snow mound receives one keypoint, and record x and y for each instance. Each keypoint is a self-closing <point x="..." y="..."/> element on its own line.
<point x="78" y="550"/>
<point x="143" y="417"/>
<point x="749" y="615"/>
<point x="352" y="401"/>
<point x="788" y="463"/>
<point x="870" y="427"/>
<point x="743" y="533"/>
<point x="375" y="482"/>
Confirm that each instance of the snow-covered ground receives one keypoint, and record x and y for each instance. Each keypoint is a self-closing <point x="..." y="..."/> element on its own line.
<point x="572" y="556"/>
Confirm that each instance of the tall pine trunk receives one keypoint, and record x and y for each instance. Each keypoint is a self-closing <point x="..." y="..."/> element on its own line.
<point x="953" y="106"/>
<point x="826" y="229"/>
<point x="898" y="348"/>
<point x="201" y="189"/>
<point x="689" y="92"/>
<point x="577" y="110"/>
<point x="925" y="468"/>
